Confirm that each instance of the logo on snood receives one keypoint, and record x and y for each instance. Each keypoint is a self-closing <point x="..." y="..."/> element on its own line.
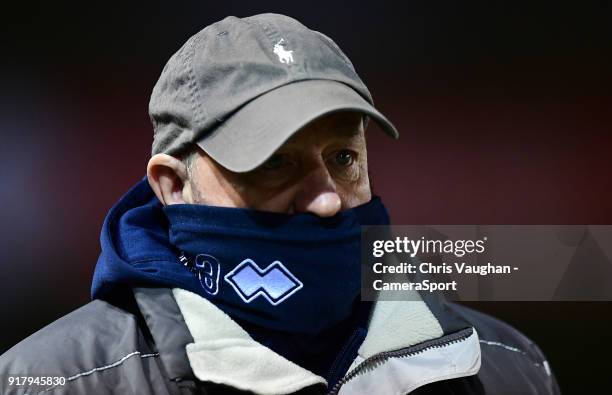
<point x="275" y="283"/>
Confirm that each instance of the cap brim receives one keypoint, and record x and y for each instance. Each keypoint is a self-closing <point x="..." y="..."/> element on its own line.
<point x="251" y="135"/>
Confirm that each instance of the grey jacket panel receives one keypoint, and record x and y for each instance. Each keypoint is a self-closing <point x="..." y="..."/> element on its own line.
<point x="511" y="362"/>
<point x="168" y="329"/>
<point x="102" y="348"/>
<point x="98" y="349"/>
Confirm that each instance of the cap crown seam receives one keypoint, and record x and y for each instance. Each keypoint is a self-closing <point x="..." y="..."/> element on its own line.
<point x="194" y="94"/>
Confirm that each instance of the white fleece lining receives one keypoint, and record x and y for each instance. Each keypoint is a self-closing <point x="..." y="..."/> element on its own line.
<point x="402" y="375"/>
<point x="224" y="353"/>
<point x="399" y="324"/>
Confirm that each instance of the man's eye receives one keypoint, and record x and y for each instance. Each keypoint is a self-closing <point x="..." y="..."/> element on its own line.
<point x="345" y="158"/>
<point x="274" y="162"/>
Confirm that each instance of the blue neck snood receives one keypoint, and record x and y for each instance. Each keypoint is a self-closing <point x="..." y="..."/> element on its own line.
<point x="294" y="273"/>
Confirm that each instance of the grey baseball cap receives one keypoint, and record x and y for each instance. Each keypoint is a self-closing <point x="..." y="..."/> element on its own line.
<point x="241" y="87"/>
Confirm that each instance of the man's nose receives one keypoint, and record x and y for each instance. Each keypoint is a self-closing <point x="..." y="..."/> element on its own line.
<point x="317" y="193"/>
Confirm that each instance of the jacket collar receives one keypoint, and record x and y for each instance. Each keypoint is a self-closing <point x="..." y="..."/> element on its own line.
<point x="407" y="346"/>
<point x="167" y="327"/>
<point x="405" y="339"/>
<point x="221" y="345"/>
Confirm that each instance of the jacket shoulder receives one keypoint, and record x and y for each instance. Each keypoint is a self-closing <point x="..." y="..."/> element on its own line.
<point x="507" y="353"/>
<point x="491" y="328"/>
<point x="95" y="335"/>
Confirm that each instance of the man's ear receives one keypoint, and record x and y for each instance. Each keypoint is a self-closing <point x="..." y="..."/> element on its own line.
<point x="168" y="178"/>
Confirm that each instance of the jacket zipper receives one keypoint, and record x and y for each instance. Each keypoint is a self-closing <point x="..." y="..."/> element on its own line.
<point x="335" y="372"/>
<point x="378" y="359"/>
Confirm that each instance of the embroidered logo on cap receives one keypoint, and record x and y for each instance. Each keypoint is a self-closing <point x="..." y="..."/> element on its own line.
<point x="275" y="283"/>
<point x="284" y="56"/>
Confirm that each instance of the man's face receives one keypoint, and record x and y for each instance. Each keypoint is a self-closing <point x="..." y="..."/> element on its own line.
<point x="322" y="169"/>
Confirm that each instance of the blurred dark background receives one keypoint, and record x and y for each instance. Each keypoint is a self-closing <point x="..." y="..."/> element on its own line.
<point x="504" y="111"/>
